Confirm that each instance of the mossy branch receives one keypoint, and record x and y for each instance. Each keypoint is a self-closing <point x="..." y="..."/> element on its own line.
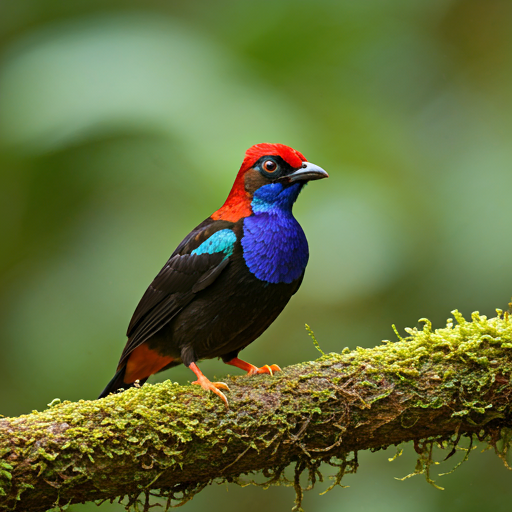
<point x="173" y="440"/>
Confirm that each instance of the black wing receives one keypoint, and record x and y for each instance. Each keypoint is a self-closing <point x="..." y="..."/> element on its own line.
<point x="175" y="285"/>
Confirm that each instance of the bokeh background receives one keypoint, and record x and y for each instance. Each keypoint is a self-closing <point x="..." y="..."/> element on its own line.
<point x="122" y="126"/>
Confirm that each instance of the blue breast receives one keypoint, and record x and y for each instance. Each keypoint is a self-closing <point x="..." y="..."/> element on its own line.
<point x="274" y="246"/>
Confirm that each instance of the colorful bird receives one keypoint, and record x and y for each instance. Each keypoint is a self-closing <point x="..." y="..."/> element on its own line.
<point x="228" y="280"/>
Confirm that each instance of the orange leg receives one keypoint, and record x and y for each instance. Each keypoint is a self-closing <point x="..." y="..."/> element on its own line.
<point x="209" y="386"/>
<point x="253" y="370"/>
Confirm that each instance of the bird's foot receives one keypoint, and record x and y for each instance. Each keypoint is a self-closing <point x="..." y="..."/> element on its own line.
<point x="254" y="370"/>
<point x="207" y="385"/>
<point x="214" y="386"/>
<point x="264" y="369"/>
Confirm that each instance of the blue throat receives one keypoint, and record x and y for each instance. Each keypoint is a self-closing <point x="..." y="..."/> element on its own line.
<point x="274" y="245"/>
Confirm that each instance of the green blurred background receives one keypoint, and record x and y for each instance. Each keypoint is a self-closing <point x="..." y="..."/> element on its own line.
<point x="122" y="126"/>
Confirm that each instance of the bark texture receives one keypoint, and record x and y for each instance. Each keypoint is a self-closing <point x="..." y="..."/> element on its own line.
<point x="174" y="440"/>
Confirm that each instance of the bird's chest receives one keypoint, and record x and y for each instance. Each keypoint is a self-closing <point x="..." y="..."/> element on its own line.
<point x="275" y="248"/>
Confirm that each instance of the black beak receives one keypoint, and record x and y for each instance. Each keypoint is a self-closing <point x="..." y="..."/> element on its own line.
<point x="307" y="172"/>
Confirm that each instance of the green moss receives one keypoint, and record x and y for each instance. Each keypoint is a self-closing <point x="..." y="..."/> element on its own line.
<point x="165" y="426"/>
<point x="5" y="477"/>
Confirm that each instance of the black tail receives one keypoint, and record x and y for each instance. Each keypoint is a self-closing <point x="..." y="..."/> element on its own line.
<point x="117" y="382"/>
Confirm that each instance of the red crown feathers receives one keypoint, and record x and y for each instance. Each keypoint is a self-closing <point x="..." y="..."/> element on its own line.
<point x="238" y="203"/>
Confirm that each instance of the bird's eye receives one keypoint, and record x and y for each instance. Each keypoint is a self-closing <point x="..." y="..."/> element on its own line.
<point x="269" y="165"/>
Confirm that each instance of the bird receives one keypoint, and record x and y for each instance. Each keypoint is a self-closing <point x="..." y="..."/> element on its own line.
<point x="229" y="278"/>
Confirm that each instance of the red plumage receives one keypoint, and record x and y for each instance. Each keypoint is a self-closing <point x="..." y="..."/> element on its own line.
<point x="238" y="203"/>
<point x="254" y="153"/>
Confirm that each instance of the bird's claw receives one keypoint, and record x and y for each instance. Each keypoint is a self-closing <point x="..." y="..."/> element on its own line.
<point x="214" y="386"/>
<point x="275" y="368"/>
<point x="265" y="369"/>
<point x="251" y="369"/>
<point x="221" y="385"/>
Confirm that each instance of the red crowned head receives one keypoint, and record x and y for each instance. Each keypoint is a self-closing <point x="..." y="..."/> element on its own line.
<point x="289" y="155"/>
<point x="263" y="164"/>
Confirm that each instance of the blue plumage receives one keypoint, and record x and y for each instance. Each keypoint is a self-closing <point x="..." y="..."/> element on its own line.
<point x="221" y="241"/>
<point x="275" y="248"/>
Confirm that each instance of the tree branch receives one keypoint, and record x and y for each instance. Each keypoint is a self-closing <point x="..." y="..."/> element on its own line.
<point x="430" y="386"/>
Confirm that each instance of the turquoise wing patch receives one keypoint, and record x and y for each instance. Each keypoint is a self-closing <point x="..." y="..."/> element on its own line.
<point x="221" y="241"/>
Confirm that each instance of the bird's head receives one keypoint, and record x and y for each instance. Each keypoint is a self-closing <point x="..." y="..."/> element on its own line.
<point x="266" y="164"/>
<point x="271" y="163"/>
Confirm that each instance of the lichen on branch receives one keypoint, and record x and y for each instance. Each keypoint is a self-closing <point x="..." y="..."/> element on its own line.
<point x="432" y="387"/>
